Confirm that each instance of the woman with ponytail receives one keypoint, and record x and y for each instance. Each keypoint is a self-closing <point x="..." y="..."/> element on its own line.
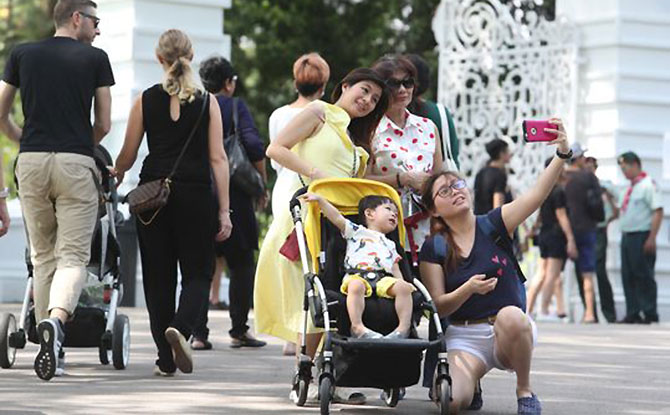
<point x="473" y="278"/>
<point x="184" y="230"/>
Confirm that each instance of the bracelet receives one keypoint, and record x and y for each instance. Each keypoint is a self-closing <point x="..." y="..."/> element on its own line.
<point x="564" y="156"/>
<point x="397" y="179"/>
<point x="229" y="211"/>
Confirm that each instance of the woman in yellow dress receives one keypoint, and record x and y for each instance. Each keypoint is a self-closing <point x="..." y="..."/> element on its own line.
<point x="322" y="141"/>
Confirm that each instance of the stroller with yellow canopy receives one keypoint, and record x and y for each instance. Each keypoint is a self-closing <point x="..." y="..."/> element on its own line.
<point x="347" y="361"/>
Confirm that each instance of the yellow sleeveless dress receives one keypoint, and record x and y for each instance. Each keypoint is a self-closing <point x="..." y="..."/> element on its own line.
<point x="279" y="284"/>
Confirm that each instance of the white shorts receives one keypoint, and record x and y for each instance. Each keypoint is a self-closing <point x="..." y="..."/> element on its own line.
<point x="479" y="340"/>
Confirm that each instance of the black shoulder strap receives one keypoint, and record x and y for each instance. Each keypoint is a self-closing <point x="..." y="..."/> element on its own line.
<point x="236" y="117"/>
<point x="205" y="103"/>
<point x="502" y="242"/>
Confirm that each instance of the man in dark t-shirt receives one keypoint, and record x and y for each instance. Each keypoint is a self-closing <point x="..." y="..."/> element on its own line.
<point x="59" y="79"/>
<point x="579" y="182"/>
<point x="491" y="189"/>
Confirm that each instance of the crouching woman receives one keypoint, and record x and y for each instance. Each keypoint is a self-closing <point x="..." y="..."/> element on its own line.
<point x="475" y="283"/>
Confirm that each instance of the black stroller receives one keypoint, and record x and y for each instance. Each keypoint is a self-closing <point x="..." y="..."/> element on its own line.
<point x="386" y="364"/>
<point x="95" y="322"/>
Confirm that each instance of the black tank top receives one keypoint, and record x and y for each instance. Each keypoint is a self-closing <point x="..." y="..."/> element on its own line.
<point x="166" y="138"/>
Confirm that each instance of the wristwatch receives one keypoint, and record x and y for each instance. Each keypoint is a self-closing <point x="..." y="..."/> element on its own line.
<point x="4" y="193"/>
<point x="564" y="156"/>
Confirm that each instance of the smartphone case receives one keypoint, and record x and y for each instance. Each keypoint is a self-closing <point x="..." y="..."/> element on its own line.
<point x="533" y="131"/>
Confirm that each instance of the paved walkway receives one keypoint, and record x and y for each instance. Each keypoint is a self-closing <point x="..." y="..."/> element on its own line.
<point x="604" y="369"/>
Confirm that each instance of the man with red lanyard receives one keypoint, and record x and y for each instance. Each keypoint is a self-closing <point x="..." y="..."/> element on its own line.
<point x="640" y="220"/>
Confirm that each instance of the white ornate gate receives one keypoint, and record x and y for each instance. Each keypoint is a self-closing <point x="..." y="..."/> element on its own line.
<point x="497" y="67"/>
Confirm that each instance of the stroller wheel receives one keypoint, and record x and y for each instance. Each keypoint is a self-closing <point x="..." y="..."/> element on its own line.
<point x="121" y="342"/>
<point x="7" y="328"/>
<point x="299" y="392"/>
<point x="391" y="397"/>
<point x="325" y="394"/>
<point x="444" y="395"/>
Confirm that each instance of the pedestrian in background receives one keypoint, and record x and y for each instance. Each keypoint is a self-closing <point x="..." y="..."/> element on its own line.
<point x="580" y="182"/>
<point x="436" y="112"/>
<point x="238" y="251"/>
<point x="611" y="213"/>
<point x="641" y="215"/>
<point x="491" y="189"/>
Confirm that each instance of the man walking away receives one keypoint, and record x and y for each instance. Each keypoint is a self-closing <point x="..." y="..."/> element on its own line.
<point x="581" y="183"/>
<point x="641" y="216"/>
<point x="611" y="213"/>
<point x="58" y="78"/>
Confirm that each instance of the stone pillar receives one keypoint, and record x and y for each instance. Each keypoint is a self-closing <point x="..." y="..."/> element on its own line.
<point x="623" y="103"/>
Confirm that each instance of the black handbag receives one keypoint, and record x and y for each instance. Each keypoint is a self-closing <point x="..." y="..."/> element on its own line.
<point x="243" y="174"/>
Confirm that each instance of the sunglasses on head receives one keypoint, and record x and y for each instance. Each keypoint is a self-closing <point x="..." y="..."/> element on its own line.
<point x="96" y="19"/>
<point x="394" y="83"/>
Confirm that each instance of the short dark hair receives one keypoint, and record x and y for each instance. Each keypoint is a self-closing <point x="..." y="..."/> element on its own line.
<point x="371" y="202"/>
<point x="387" y="65"/>
<point x="64" y="9"/>
<point x="630" y="158"/>
<point x="422" y="73"/>
<point x="214" y="72"/>
<point x="592" y="160"/>
<point x="495" y="148"/>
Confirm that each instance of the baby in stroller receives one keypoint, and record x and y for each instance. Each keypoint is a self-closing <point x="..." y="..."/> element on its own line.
<point x="371" y="262"/>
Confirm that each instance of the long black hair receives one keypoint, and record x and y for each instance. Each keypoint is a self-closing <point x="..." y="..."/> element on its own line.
<point x="362" y="129"/>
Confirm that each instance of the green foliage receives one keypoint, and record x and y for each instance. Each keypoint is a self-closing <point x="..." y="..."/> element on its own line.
<point x="268" y="36"/>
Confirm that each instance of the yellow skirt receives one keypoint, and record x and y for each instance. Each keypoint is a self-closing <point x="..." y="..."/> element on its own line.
<point x="279" y="285"/>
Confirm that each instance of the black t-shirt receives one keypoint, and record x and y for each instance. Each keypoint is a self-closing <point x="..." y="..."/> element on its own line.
<point x="488" y="181"/>
<point x="166" y="139"/>
<point x="57" y="78"/>
<point x="555" y="200"/>
<point x="576" y="189"/>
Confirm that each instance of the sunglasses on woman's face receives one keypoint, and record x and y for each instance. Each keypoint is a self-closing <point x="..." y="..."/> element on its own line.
<point x="394" y="83"/>
<point x="448" y="190"/>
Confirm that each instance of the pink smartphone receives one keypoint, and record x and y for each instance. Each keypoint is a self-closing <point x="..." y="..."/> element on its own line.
<point x="533" y="131"/>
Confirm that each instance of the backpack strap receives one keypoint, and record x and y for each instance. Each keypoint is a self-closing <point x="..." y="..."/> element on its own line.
<point x="502" y="241"/>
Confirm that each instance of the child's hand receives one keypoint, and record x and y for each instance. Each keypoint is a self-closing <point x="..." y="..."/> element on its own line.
<point x="310" y="197"/>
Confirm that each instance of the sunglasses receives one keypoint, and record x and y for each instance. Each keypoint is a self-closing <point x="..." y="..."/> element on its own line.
<point x="96" y="19"/>
<point x="446" y="191"/>
<point x="394" y="84"/>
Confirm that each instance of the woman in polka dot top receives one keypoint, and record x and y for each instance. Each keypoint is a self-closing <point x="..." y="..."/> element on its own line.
<point x="405" y="148"/>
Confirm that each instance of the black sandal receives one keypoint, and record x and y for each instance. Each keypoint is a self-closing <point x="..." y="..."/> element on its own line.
<point x="206" y="344"/>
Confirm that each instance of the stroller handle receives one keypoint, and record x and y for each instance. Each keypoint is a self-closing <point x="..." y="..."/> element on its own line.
<point x="294" y="199"/>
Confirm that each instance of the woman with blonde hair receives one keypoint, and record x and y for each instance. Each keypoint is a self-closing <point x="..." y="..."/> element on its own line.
<point x="183" y="231"/>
